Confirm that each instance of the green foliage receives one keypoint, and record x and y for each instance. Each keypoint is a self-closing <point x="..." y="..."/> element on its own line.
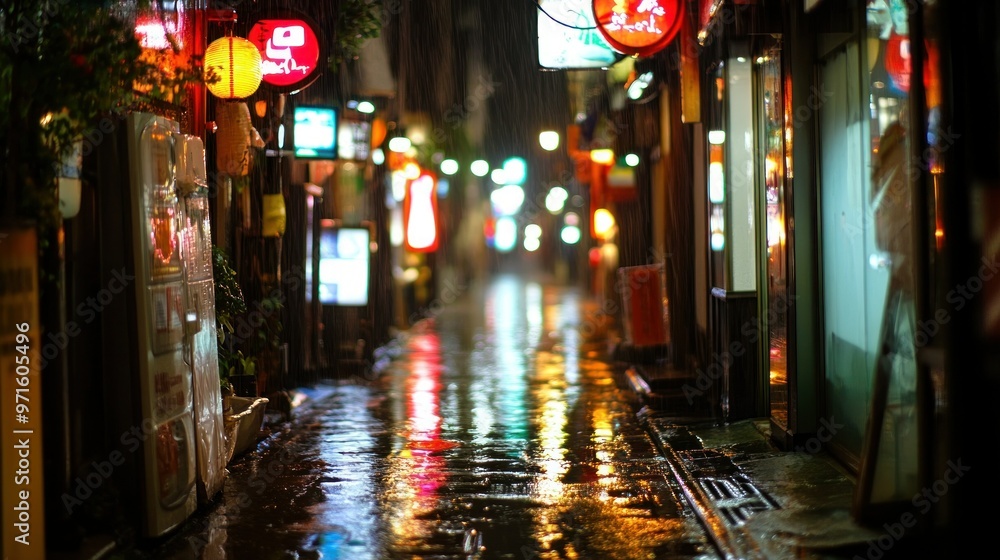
<point x="229" y="304"/>
<point x="63" y="65"/>
<point x="357" y="21"/>
<point x="269" y="333"/>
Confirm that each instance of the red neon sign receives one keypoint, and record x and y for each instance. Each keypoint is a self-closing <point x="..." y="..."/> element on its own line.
<point x="289" y="51"/>
<point x="638" y="27"/>
<point x="420" y="214"/>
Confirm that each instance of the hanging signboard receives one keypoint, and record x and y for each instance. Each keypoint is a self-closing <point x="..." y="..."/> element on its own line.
<point x="420" y="214"/>
<point x="291" y="51"/>
<point x="568" y="39"/>
<point x="638" y="27"/>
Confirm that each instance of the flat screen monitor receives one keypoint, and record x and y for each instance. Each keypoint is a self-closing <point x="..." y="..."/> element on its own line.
<point x="344" y="265"/>
<point x="315" y="132"/>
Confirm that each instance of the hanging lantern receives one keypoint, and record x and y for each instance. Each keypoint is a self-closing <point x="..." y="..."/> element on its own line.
<point x="237" y="64"/>
<point x="234" y="138"/>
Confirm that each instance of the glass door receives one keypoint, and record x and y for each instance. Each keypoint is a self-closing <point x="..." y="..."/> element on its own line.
<point x="866" y="176"/>
<point x="772" y="152"/>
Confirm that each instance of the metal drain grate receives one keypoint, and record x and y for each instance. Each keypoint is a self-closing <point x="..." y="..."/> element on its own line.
<point x="737" y="499"/>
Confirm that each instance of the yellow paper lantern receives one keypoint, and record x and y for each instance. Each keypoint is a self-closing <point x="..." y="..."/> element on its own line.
<point x="237" y="64"/>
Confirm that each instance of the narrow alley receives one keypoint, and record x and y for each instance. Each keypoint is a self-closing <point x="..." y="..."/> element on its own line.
<point x="497" y="431"/>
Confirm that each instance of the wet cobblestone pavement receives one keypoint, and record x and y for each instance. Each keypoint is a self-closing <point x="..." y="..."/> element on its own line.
<point x="500" y="430"/>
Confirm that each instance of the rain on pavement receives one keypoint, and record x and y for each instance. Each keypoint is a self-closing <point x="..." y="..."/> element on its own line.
<point x="498" y="431"/>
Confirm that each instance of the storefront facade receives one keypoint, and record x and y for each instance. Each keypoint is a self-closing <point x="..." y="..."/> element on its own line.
<point x="822" y="146"/>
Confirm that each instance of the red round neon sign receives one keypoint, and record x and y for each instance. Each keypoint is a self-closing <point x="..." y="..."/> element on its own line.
<point x="639" y="27"/>
<point x="291" y="53"/>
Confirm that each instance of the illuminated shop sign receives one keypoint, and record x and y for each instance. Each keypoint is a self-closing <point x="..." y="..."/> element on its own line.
<point x="290" y="51"/>
<point x="568" y="39"/>
<point x="420" y="214"/>
<point x="638" y="27"/>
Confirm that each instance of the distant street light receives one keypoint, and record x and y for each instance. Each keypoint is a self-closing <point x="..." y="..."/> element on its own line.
<point x="515" y="171"/>
<point x="449" y="167"/>
<point x="498" y="176"/>
<point x="549" y="140"/>
<point x="479" y="168"/>
<point x="399" y="144"/>
<point x="604" y="223"/>
<point x="603" y="156"/>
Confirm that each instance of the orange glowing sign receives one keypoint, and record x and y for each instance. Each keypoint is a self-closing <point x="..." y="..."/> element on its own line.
<point x="638" y="27"/>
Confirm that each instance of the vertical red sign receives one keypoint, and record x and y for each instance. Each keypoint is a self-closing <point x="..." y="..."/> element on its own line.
<point x="420" y="214"/>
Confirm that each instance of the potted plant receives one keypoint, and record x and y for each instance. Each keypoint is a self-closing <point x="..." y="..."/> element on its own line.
<point x="229" y="305"/>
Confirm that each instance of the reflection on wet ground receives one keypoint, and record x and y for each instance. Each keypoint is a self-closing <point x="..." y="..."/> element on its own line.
<point x="498" y="432"/>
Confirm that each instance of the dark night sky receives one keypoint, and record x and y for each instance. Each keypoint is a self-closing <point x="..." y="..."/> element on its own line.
<point x="527" y="99"/>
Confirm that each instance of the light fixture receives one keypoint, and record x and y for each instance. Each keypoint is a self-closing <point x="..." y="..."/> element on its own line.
<point x="366" y="107"/>
<point x="603" y="156"/>
<point x="498" y="176"/>
<point x="515" y="170"/>
<point x="570" y="235"/>
<point x="604" y="223"/>
<point x="555" y="200"/>
<point x="411" y="171"/>
<point x="716" y="137"/>
<point x="236" y="64"/>
<point x="260" y="108"/>
<point x="449" y="167"/>
<point x="716" y="183"/>
<point x="631" y="160"/>
<point x="417" y="134"/>
<point x="399" y="144"/>
<point x="637" y="88"/>
<point x="548" y="140"/>
<point x="479" y="168"/>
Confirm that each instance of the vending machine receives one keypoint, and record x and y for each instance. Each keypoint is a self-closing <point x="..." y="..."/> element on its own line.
<point x="164" y="319"/>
